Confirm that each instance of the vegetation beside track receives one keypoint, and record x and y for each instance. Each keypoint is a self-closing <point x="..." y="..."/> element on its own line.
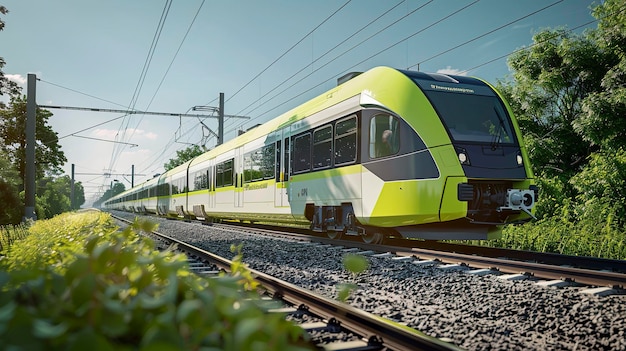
<point x="77" y="282"/>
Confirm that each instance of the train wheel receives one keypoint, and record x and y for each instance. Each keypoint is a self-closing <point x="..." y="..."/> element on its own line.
<point x="374" y="235"/>
<point x="334" y="234"/>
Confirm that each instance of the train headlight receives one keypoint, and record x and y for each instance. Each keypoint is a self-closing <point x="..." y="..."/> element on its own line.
<point x="462" y="154"/>
<point x="519" y="158"/>
<point x="462" y="157"/>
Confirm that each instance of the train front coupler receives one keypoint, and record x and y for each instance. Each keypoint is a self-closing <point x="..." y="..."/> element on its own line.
<point x="519" y="200"/>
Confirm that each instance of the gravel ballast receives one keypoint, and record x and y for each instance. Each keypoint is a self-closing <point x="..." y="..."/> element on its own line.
<point x="473" y="312"/>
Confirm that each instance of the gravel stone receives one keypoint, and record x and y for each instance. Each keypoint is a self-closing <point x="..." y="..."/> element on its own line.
<point x="474" y="312"/>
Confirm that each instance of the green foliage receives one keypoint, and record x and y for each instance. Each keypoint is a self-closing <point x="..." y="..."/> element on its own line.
<point x="104" y="289"/>
<point x="568" y="92"/>
<point x="48" y="156"/>
<point x="603" y="181"/>
<point x="239" y="270"/>
<point x="6" y="86"/>
<point x="593" y="233"/>
<point x="183" y="156"/>
<point x="9" y="235"/>
<point x="11" y="209"/>
<point x="355" y="264"/>
<point x="116" y="188"/>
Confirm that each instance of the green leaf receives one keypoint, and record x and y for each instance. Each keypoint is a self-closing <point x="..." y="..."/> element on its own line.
<point x="355" y="263"/>
<point x="46" y="330"/>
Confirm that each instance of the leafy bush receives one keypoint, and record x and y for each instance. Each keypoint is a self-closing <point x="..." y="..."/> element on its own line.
<point x="589" y="232"/>
<point x="78" y="283"/>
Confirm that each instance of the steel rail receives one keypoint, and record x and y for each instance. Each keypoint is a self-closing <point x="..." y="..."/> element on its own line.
<point x="392" y="336"/>
<point x="585" y="262"/>
<point x="584" y="270"/>
<point x="539" y="270"/>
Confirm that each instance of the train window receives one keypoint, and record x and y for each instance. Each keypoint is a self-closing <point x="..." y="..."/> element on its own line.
<point x="163" y="189"/>
<point x="259" y="164"/>
<point x="322" y="147"/>
<point x="200" y="180"/>
<point x="302" y="153"/>
<point x="346" y="141"/>
<point x="384" y="135"/>
<point x="224" y="176"/>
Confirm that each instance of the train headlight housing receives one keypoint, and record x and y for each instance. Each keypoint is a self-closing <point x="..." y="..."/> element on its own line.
<point x="519" y="158"/>
<point x="462" y="155"/>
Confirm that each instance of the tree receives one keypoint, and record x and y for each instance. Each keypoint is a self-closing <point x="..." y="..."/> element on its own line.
<point x="6" y="86"/>
<point x="48" y="155"/>
<point x="569" y="94"/>
<point x="11" y="209"/>
<point x="54" y="196"/>
<point x="551" y="79"/>
<point x="602" y="121"/>
<point x="183" y="156"/>
<point x="116" y="188"/>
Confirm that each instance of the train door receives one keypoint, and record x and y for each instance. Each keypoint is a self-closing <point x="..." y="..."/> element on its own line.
<point x="282" y="168"/>
<point x="238" y="170"/>
<point x="211" y="184"/>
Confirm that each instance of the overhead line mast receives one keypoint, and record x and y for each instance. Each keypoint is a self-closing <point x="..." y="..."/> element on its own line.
<point x="31" y="108"/>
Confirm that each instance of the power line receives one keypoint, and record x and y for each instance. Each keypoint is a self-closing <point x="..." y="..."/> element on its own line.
<point x="333" y="59"/>
<point x="80" y="92"/>
<point x="288" y="50"/>
<point x="379" y="52"/>
<point x="117" y="150"/>
<point x="323" y="55"/>
<point x="485" y="34"/>
<point x="170" y="65"/>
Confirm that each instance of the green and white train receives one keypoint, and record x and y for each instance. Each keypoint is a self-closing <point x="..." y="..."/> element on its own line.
<point x="385" y="153"/>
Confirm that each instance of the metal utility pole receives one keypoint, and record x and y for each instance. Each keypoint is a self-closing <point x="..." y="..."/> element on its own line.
<point x="220" y="138"/>
<point x="220" y="117"/>
<point x="72" y="189"/>
<point x="31" y="123"/>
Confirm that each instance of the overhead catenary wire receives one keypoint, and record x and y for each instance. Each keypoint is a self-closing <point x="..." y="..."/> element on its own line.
<point x="168" y="67"/>
<point x="485" y="34"/>
<point x="323" y="55"/>
<point x="448" y="50"/>
<point x="462" y="72"/>
<point x="379" y="52"/>
<point x="289" y="50"/>
<point x="155" y="40"/>
<point x="335" y="58"/>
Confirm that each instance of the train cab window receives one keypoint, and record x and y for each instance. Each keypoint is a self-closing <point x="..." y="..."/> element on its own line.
<point x="301" y="153"/>
<point x="384" y="135"/>
<point x="322" y="147"/>
<point x="346" y="141"/>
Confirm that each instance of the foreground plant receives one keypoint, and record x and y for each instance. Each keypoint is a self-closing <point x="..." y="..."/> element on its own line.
<point x="118" y="293"/>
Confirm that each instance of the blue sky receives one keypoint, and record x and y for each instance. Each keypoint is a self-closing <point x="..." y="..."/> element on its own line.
<point x="265" y="56"/>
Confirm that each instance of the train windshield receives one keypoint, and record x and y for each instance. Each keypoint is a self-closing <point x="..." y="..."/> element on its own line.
<point x="469" y="108"/>
<point x="473" y="118"/>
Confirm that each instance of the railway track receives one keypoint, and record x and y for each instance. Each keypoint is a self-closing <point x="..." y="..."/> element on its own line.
<point x="372" y="332"/>
<point x="609" y="276"/>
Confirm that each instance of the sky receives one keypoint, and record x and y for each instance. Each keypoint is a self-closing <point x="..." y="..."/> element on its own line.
<point x="267" y="57"/>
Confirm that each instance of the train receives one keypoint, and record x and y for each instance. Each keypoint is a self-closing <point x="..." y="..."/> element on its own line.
<point x="385" y="153"/>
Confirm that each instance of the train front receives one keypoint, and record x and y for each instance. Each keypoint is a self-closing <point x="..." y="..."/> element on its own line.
<point x="484" y="167"/>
